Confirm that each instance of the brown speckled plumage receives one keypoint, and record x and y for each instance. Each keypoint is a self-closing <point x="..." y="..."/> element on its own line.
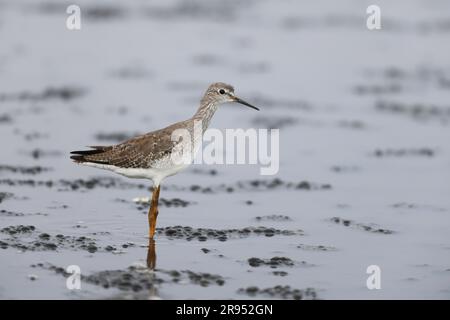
<point x="138" y="152"/>
<point x="150" y="155"/>
<point x="143" y="151"/>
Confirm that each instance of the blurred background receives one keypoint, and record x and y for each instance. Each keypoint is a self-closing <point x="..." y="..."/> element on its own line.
<point x="364" y="125"/>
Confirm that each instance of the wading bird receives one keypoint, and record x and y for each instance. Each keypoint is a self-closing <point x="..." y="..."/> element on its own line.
<point x="150" y="156"/>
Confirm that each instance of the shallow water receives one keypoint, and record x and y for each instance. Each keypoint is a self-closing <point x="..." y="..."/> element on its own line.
<point x="365" y="114"/>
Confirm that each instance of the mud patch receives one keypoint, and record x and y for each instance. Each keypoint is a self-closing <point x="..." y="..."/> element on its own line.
<point x="94" y="13"/>
<point x="72" y="185"/>
<point x="117" y="183"/>
<point x="132" y="279"/>
<point x="397" y="153"/>
<point x="280" y="292"/>
<point x="280" y="273"/>
<point x="274" y="217"/>
<point x="201" y="234"/>
<point x="369" y="228"/>
<point x="7" y="213"/>
<point x="217" y="11"/>
<point x="26" y="182"/>
<point x="378" y="89"/>
<point x="139" y="278"/>
<point x="13" y="230"/>
<point x="31" y="136"/>
<point x="308" y="247"/>
<point x="274" y="262"/>
<point x="274" y="122"/>
<point x="5" y="118"/>
<point x="27" y="238"/>
<point x="198" y="278"/>
<point x="23" y="170"/>
<point x="60" y="93"/>
<point x="40" y="153"/>
<point x="208" y="172"/>
<point x="393" y="80"/>
<point x="417" y="111"/>
<point x="5" y="195"/>
<point x="345" y="169"/>
<point x="100" y="182"/>
<point x="259" y="185"/>
<point x="144" y="202"/>
<point x="334" y="21"/>
<point x="352" y="124"/>
<point x="104" y="12"/>
<point x="413" y="206"/>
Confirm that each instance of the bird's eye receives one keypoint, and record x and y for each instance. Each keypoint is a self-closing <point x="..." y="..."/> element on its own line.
<point x="221" y="91"/>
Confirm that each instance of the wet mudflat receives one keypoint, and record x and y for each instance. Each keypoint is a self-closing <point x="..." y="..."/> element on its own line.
<point x="364" y="173"/>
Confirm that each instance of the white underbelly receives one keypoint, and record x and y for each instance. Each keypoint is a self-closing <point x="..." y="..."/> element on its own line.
<point x="154" y="174"/>
<point x="157" y="171"/>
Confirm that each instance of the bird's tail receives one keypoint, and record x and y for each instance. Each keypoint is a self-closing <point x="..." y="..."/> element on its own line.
<point x="83" y="155"/>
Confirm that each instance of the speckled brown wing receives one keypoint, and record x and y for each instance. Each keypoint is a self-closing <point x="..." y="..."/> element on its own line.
<point x="142" y="151"/>
<point x="138" y="152"/>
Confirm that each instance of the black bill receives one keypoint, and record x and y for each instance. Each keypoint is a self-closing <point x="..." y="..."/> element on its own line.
<point x="236" y="99"/>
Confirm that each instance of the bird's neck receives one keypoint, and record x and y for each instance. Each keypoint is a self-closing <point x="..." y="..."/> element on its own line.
<point x="205" y="113"/>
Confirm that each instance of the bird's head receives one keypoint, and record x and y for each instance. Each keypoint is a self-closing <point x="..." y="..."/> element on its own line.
<point x="221" y="93"/>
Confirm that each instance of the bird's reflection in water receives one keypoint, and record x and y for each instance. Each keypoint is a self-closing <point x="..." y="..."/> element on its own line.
<point x="151" y="254"/>
<point x="151" y="265"/>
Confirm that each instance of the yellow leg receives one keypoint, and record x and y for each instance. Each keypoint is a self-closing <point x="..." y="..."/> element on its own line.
<point x="151" y="255"/>
<point x="153" y="211"/>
